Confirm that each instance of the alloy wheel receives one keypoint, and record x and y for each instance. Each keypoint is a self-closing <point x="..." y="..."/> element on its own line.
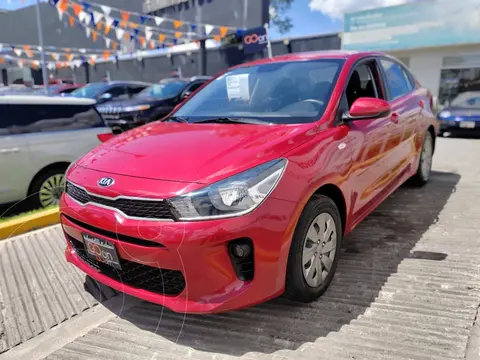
<point x="51" y="190"/>
<point x="319" y="249"/>
<point x="426" y="157"/>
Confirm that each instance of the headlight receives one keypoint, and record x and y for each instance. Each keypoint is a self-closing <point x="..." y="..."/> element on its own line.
<point x="136" y="108"/>
<point x="237" y="195"/>
<point x="444" y="114"/>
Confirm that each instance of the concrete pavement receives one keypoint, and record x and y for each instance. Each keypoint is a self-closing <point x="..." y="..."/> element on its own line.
<point x="407" y="287"/>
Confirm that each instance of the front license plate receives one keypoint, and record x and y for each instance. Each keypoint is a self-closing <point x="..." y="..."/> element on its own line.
<point x="467" y="124"/>
<point x="101" y="250"/>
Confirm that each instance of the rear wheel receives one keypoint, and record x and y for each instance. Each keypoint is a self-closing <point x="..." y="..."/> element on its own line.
<point x="314" y="250"/>
<point x="47" y="188"/>
<point x="422" y="175"/>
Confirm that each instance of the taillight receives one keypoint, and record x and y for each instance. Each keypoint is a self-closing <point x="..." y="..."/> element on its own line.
<point x="105" y="137"/>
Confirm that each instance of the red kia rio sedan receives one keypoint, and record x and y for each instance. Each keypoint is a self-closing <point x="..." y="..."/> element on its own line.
<point x="245" y="191"/>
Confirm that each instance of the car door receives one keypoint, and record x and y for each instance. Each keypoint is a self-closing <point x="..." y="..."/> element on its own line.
<point x="407" y="112"/>
<point x="370" y="163"/>
<point x="15" y="165"/>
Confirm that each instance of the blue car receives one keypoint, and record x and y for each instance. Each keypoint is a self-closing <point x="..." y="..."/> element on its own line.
<point x="104" y="92"/>
<point x="462" y="115"/>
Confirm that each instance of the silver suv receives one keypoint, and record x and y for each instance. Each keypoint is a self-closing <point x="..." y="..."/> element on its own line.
<point x="40" y="137"/>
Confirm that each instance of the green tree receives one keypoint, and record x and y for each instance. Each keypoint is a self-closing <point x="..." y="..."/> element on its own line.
<point x="278" y="18"/>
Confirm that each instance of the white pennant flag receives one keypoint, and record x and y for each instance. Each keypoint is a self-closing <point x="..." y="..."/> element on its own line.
<point x="209" y="29"/>
<point x="72" y="65"/>
<point x="60" y="13"/>
<point x="108" y="21"/>
<point x="148" y="33"/>
<point x="93" y="57"/>
<point x="20" y="64"/>
<point x="18" y="52"/>
<point x="51" y="66"/>
<point x="107" y="42"/>
<point x="56" y="56"/>
<point x="83" y="51"/>
<point x="158" y="20"/>
<point x="36" y="63"/>
<point x="106" y="9"/>
<point x="120" y="33"/>
<point x="1" y="47"/>
<point x="39" y="48"/>
<point x="97" y="16"/>
<point x="88" y="31"/>
<point x="82" y="15"/>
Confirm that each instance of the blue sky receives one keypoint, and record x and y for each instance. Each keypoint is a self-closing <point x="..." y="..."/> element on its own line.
<point x="306" y="21"/>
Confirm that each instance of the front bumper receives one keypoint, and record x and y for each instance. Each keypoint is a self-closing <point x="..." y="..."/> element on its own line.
<point x="199" y="250"/>
<point x="458" y="125"/>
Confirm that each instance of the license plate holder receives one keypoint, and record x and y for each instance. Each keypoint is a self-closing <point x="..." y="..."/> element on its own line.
<point x="101" y="250"/>
<point x="467" y="124"/>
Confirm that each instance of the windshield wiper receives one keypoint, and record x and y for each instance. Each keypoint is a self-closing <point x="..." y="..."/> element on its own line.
<point x="178" y="119"/>
<point x="232" y="120"/>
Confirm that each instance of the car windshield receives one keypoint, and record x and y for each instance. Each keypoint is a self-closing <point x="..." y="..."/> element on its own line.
<point x="163" y="90"/>
<point x="90" y="91"/>
<point x="467" y="100"/>
<point x="280" y="93"/>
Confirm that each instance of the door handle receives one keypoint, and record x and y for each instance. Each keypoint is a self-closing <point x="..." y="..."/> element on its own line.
<point x="394" y="117"/>
<point x="9" y="151"/>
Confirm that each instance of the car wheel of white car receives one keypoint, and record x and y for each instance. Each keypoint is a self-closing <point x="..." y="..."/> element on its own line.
<point x="314" y="250"/>
<point x="48" y="188"/>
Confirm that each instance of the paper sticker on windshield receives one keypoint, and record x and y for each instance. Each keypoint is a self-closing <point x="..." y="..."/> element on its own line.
<point x="237" y="87"/>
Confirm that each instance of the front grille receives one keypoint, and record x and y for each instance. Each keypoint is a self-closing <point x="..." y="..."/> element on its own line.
<point x="160" y="281"/>
<point x="148" y="209"/>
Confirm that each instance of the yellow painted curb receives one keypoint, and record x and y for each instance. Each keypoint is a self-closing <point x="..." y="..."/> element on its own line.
<point x="28" y="223"/>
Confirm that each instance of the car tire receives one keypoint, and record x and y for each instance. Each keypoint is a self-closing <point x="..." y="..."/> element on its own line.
<point x="47" y="188"/>
<point x="304" y="283"/>
<point x="422" y="175"/>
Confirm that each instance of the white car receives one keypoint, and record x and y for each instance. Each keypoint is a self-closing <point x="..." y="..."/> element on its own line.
<point x="40" y="137"/>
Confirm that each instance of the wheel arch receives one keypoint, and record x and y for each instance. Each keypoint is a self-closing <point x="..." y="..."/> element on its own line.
<point x="57" y="165"/>
<point x="431" y="129"/>
<point x="335" y="193"/>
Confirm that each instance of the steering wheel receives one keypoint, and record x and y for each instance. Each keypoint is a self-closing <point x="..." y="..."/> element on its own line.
<point x="317" y="103"/>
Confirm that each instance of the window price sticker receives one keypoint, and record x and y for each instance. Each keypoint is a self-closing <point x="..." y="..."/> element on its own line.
<point x="237" y="87"/>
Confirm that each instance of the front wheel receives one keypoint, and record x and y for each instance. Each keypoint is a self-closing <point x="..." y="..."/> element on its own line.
<point x="47" y="188"/>
<point x="314" y="250"/>
<point x="424" y="169"/>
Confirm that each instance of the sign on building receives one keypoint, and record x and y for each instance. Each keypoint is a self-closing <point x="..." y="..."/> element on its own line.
<point x="152" y="5"/>
<point x="427" y="23"/>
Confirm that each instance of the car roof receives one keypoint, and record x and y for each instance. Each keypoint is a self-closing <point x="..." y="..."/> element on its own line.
<point x="119" y="82"/>
<point x="312" y="55"/>
<point x="42" y="99"/>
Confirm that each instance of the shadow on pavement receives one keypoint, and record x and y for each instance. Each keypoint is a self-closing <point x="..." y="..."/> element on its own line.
<point x="371" y="255"/>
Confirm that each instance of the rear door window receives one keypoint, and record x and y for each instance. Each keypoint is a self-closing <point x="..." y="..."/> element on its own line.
<point x="118" y="92"/>
<point x="37" y="118"/>
<point x="398" y="81"/>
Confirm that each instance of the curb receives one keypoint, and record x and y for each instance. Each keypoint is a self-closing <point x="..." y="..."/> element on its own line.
<point x="29" y="223"/>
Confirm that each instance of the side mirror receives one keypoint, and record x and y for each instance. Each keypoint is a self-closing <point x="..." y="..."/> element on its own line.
<point x="186" y="95"/>
<point x="368" y="108"/>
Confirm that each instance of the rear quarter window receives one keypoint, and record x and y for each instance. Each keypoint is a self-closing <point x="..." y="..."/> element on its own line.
<point x="38" y="118"/>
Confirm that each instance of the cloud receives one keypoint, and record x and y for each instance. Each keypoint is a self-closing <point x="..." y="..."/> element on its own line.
<point x="336" y="8"/>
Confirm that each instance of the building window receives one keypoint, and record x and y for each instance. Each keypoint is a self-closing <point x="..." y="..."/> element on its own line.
<point x="460" y="74"/>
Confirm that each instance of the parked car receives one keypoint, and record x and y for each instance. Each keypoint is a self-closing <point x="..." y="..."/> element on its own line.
<point x="40" y="136"/>
<point x="103" y="92"/>
<point x="247" y="189"/>
<point x="462" y="115"/>
<point x="150" y="104"/>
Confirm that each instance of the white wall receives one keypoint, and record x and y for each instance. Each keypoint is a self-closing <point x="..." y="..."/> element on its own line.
<point x="426" y="64"/>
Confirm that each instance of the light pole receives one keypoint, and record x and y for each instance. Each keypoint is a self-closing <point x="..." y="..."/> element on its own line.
<point x="42" y="52"/>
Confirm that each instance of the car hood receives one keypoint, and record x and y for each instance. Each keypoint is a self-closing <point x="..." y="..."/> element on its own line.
<point x="134" y="102"/>
<point x="201" y="153"/>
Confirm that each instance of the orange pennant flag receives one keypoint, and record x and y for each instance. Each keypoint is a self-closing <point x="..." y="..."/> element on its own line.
<point x="63" y="5"/>
<point x="142" y="40"/>
<point x="94" y="36"/>
<point x="127" y="36"/>
<point x="59" y="65"/>
<point x="125" y="15"/>
<point x="151" y="44"/>
<point x="107" y="28"/>
<point x="133" y="25"/>
<point x="114" y="45"/>
<point x="178" y="34"/>
<point x="161" y="38"/>
<point x="71" y="21"/>
<point x="2" y="60"/>
<point x="123" y="23"/>
<point x="28" y="51"/>
<point x="223" y="31"/>
<point x="106" y="55"/>
<point x="99" y="25"/>
<point x="77" y="8"/>
<point x="92" y="60"/>
<point x="217" y="38"/>
<point x="177" y="23"/>
<point x="34" y="66"/>
<point x="69" y="57"/>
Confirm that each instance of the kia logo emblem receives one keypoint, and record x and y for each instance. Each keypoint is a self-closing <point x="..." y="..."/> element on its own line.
<point x="106" y="182"/>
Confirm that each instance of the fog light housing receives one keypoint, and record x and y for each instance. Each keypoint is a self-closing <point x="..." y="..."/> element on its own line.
<point x="241" y="256"/>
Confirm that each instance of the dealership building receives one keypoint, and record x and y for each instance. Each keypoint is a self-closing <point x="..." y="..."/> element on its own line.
<point x="438" y="40"/>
